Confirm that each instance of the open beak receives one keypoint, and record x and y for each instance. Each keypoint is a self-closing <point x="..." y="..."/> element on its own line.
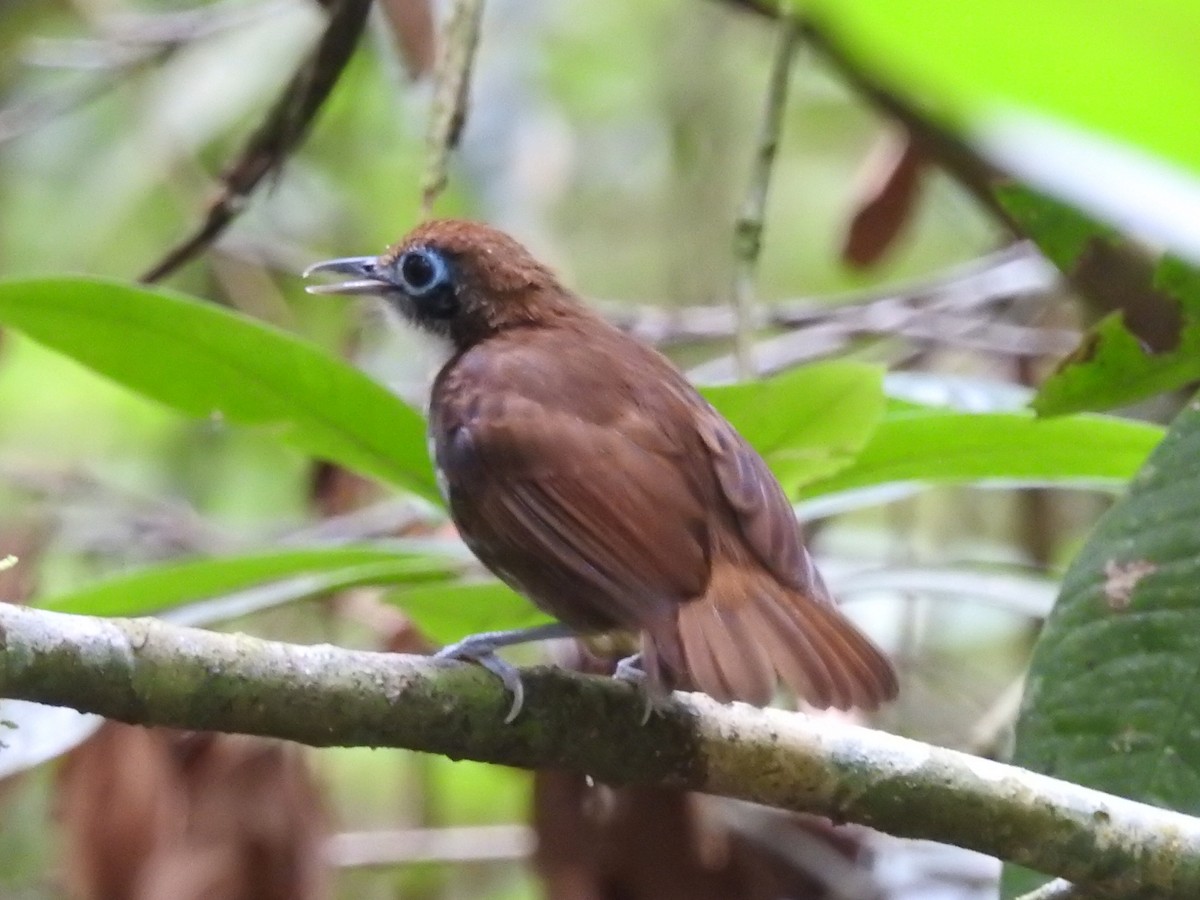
<point x="365" y="277"/>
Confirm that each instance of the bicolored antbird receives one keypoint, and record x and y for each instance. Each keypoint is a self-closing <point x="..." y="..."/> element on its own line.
<point x="586" y="472"/>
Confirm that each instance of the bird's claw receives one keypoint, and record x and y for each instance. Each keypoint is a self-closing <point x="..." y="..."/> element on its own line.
<point x="631" y="672"/>
<point x="483" y="653"/>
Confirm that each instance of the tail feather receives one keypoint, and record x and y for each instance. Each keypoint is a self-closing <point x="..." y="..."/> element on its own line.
<point x="749" y="631"/>
<point x="704" y="633"/>
<point x="701" y="656"/>
<point x="788" y="650"/>
<point x="864" y="676"/>
<point x="872" y="673"/>
<point x="755" y="674"/>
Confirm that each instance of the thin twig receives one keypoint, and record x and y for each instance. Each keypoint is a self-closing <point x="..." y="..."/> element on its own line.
<point x="748" y="229"/>
<point x="130" y="44"/>
<point x="451" y="96"/>
<point x="148" y="672"/>
<point x="994" y="728"/>
<point x="31" y="113"/>
<point x="922" y="328"/>
<point x="406" y="846"/>
<point x="147" y="34"/>
<point x="1013" y="272"/>
<point x="280" y="133"/>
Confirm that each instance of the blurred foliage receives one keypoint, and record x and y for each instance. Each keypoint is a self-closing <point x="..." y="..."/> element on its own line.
<point x="1036" y="100"/>
<point x="1113" y="365"/>
<point x="965" y="58"/>
<point x="614" y="138"/>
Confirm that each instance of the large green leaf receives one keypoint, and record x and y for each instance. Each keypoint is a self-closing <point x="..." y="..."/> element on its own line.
<point x="206" y="361"/>
<point x="1119" y="70"/>
<point x="807" y="423"/>
<point x="156" y="588"/>
<point x="1113" y="696"/>
<point x="935" y="445"/>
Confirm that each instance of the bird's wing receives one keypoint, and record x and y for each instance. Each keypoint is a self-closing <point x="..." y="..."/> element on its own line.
<point x="793" y="627"/>
<point x="595" y="520"/>
<point x="766" y="518"/>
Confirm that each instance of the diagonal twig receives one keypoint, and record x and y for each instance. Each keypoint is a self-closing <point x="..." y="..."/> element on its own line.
<point x="129" y="43"/>
<point x="280" y="133"/>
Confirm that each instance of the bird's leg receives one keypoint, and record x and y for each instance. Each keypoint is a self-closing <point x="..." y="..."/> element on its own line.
<point x="481" y="648"/>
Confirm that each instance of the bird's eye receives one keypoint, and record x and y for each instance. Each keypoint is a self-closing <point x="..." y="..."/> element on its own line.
<point x="421" y="271"/>
<point x="424" y="275"/>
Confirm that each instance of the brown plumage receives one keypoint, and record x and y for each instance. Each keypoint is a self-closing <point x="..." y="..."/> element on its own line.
<point x="586" y="472"/>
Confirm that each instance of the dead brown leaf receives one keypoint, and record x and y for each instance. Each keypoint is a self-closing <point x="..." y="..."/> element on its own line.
<point x="411" y="23"/>
<point x="887" y="192"/>
<point x="155" y="814"/>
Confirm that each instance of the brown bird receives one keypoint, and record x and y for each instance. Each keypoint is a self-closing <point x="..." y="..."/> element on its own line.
<point x="586" y="472"/>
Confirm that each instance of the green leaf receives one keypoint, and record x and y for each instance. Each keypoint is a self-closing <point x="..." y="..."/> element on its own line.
<point x="447" y="612"/>
<point x="1061" y="232"/>
<point x="1095" y="66"/>
<point x="943" y="446"/>
<point x="807" y="423"/>
<point x="157" y="588"/>
<point x="206" y="361"/>
<point x="1113" y="368"/>
<point x="1113" y="698"/>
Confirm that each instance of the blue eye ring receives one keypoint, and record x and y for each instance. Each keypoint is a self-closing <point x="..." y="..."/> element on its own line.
<point x="421" y="271"/>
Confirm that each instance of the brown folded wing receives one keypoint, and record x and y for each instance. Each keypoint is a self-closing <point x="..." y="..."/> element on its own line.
<point x="595" y="521"/>
<point x="770" y="600"/>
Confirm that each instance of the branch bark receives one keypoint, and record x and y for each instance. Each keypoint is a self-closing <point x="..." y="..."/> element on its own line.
<point x="147" y="672"/>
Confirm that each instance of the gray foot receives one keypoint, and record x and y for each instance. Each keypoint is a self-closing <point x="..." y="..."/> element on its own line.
<point x="481" y="649"/>
<point x="630" y="671"/>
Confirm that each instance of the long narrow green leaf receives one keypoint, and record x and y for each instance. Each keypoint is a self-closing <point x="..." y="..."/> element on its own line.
<point x="447" y="612"/>
<point x="206" y="361"/>
<point x="157" y="588"/>
<point x="933" y="445"/>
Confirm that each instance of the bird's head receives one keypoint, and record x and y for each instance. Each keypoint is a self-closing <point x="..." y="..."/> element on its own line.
<point x="461" y="280"/>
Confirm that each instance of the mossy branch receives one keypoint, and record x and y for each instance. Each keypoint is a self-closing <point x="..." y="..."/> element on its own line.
<point x="147" y="672"/>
